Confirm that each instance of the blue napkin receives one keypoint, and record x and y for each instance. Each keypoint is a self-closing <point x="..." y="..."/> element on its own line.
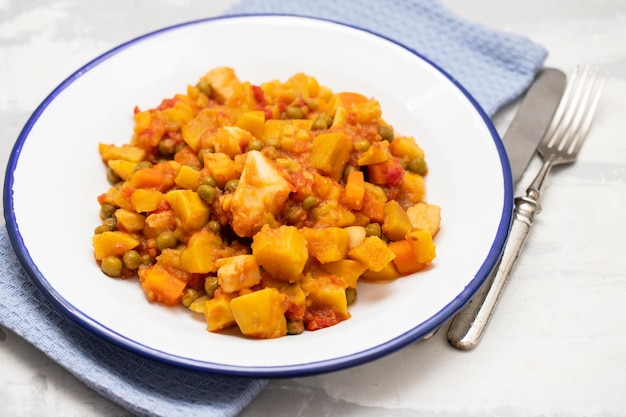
<point x="495" y="67"/>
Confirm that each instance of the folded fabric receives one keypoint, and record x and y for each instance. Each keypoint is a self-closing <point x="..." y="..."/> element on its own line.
<point x="495" y="67"/>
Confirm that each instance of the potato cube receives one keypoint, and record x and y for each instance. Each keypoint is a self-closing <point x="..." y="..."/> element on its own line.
<point x="218" y="314"/>
<point x="124" y="169"/>
<point x="146" y="199"/>
<point x="113" y="243"/>
<point x="260" y="314"/>
<point x="373" y="252"/>
<point x="328" y="244"/>
<point x="128" y="153"/>
<point x="192" y="212"/>
<point x="331" y="152"/>
<point x="423" y="245"/>
<point x="396" y="223"/>
<point x="282" y="252"/>
<point x="188" y="178"/>
<point x="253" y="122"/>
<point x="201" y="252"/>
<point x="221" y="167"/>
<point x="129" y="221"/>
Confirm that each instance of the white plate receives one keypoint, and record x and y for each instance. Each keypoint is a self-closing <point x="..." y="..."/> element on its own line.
<point x="55" y="174"/>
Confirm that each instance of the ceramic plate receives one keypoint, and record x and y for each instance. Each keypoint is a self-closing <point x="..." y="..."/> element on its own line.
<point x="55" y="174"/>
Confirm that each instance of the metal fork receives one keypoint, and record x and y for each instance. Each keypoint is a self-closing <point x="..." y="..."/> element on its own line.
<point x="560" y="145"/>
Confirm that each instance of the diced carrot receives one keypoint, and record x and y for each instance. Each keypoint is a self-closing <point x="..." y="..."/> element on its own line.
<point x="347" y="98"/>
<point x="405" y="260"/>
<point x="147" y="178"/>
<point x="354" y="190"/>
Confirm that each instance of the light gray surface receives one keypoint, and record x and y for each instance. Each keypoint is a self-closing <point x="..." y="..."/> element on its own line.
<point x="556" y="346"/>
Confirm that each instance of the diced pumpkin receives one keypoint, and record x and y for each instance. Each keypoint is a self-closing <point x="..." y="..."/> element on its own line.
<point x="252" y="121"/>
<point x="328" y="244"/>
<point x="113" y="243"/>
<point x="221" y="167"/>
<point x="396" y="223"/>
<point x="129" y="221"/>
<point x="260" y="314"/>
<point x="203" y="248"/>
<point x="218" y="314"/>
<point x="347" y="269"/>
<point x="238" y="272"/>
<point x="388" y="273"/>
<point x="162" y="284"/>
<point x="373" y="252"/>
<point x="124" y="169"/>
<point x="146" y="199"/>
<point x="423" y="245"/>
<point x="128" y="153"/>
<point x="281" y="251"/>
<point x="366" y="112"/>
<point x="192" y="212"/>
<point x="405" y="260"/>
<point x="425" y="216"/>
<point x="354" y="190"/>
<point x="331" y="152"/>
<point x="188" y="178"/>
<point x="412" y="189"/>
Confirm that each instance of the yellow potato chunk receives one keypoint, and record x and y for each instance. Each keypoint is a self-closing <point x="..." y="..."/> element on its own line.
<point x="260" y="314"/>
<point x="327" y="245"/>
<point x="423" y="245"/>
<point x="282" y="252"/>
<point x="218" y="314"/>
<point x="201" y="252"/>
<point x="146" y="199"/>
<point x="331" y="152"/>
<point x="129" y="221"/>
<point x="373" y="252"/>
<point x="113" y="243"/>
<point x="189" y="208"/>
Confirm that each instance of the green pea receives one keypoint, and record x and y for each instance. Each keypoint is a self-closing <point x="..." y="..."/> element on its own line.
<point x="208" y="180"/>
<point x="417" y="165"/>
<point x="231" y="185"/>
<point x="210" y="285"/>
<point x="295" y="327"/>
<point x="362" y="145"/>
<point x="273" y="142"/>
<point x="214" y="226"/>
<point x="107" y="210"/>
<point x="255" y="145"/>
<point x="386" y="132"/>
<point x="350" y="295"/>
<point x="112" y="176"/>
<point x="142" y="165"/>
<point x="131" y="259"/>
<point x="111" y="223"/>
<point x="111" y="266"/>
<point x="322" y="121"/>
<point x="167" y="147"/>
<point x="310" y="201"/>
<point x="101" y="229"/>
<point x="294" y="112"/>
<point x="205" y="88"/>
<point x="189" y="296"/>
<point x="207" y="193"/>
<point x="373" y="229"/>
<point x="204" y="151"/>
<point x="166" y="239"/>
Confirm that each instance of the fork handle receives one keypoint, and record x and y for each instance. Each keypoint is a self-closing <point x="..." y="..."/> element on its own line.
<point x="469" y="325"/>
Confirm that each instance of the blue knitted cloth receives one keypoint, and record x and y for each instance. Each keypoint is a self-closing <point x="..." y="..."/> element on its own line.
<point x="495" y="67"/>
